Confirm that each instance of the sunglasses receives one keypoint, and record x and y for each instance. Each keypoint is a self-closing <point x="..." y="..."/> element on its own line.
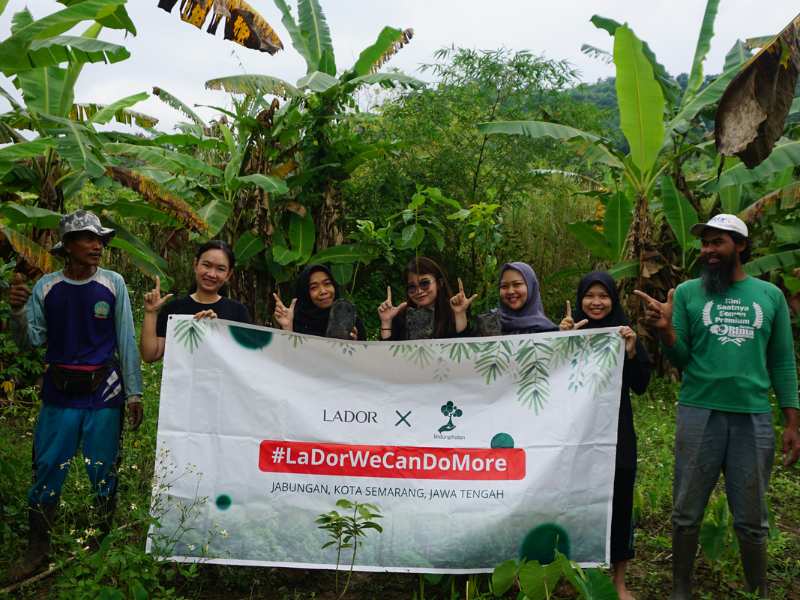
<point x="424" y="284"/>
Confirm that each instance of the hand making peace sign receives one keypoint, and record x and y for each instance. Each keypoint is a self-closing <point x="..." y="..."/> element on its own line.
<point x="283" y="315"/>
<point x="153" y="300"/>
<point x="568" y="323"/>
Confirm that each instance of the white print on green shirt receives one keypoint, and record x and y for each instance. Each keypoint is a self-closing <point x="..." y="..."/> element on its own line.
<point x="732" y="321"/>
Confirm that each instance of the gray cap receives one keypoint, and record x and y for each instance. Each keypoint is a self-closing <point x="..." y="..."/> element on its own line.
<point x="80" y="220"/>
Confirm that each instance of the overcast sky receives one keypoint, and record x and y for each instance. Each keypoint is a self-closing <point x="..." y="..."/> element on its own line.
<point x="179" y="58"/>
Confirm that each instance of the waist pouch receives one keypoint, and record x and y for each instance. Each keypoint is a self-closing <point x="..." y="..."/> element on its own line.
<point x="72" y="381"/>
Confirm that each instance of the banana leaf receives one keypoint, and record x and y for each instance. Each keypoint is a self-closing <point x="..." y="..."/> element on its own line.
<point x="701" y="51"/>
<point x="641" y="101"/>
<point x="254" y="85"/>
<point x="318" y="36"/>
<point x="773" y="262"/>
<point x="172" y="101"/>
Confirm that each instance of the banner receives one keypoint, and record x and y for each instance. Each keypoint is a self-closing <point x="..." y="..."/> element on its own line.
<point x="468" y="446"/>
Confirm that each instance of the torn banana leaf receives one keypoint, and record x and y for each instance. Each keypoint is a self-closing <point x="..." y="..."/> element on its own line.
<point x="243" y="24"/>
<point x="751" y="114"/>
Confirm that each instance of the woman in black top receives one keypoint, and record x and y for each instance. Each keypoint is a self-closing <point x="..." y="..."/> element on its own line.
<point x="427" y="289"/>
<point x="521" y="309"/>
<point x="316" y="290"/>
<point x="598" y="305"/>
<point x="213" y="266"/>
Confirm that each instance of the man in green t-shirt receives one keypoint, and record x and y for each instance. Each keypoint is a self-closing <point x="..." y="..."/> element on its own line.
<point x="731" y="336"/>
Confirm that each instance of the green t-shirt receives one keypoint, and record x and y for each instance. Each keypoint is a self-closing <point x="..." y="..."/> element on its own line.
<point x="733" y="346"/>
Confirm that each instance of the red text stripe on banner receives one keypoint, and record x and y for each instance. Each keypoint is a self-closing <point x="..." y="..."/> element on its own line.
<point x="407" y="462"/>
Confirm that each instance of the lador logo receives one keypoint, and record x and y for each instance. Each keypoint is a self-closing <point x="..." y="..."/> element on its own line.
<point x="350" y="416"/>
<point x="449" y="410"/>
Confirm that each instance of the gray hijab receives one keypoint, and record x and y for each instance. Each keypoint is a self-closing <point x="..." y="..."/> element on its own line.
<point x="531" y="315"/>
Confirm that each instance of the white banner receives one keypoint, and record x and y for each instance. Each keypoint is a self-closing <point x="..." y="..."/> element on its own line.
<point x="468" y="446"/>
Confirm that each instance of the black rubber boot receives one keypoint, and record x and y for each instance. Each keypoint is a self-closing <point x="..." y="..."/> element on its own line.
<point x="40" y="520"/>
<point x="341" y="320"/>
<point x="754" y="563"/>
<point x="684" y="549"/>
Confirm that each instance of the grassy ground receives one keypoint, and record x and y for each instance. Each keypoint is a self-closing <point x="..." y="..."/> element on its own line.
<point x="121" y="569"/>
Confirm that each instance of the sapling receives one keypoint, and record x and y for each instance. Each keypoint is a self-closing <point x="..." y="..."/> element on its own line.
<point x="344" y="531"/>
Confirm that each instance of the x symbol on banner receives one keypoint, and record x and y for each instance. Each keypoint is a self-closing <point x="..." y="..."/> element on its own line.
<point x="402" y="418"/>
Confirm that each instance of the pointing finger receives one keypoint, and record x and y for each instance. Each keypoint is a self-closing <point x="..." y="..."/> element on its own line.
<point x="580" y="324"/>
<point x="647" y="298"/>
<point x="158" y="285"/>
<point x="460" y="286"/>
<point x="569" y="309"/>
<point x="389" y="294"/>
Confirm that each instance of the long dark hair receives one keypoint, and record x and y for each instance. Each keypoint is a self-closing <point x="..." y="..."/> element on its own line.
<point x="308" y="317"/>
<point x="214" y="245"/>
<point x="217" y="245"/>
<point x="444" y="324"/>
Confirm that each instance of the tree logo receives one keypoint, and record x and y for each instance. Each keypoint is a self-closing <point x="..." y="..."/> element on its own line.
<point x="449" y="410"/>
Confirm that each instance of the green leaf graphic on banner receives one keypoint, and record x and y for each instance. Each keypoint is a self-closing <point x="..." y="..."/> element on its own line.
<point x="190" y="333"/>
<point x="223" y="502"/>
<point x="252" y="339"/>
<point x="542" y="541"/>
<point x="502" y="440"/>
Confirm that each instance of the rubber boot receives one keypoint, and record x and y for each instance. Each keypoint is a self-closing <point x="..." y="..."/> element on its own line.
<point x="40" y="520"/>
<point x="684" y="549"/>
<point x="341" y="320"/>
<point x="754" y="563"/>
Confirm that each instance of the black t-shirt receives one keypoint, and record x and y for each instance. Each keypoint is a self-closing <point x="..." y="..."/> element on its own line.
<point x="224" y="307"/>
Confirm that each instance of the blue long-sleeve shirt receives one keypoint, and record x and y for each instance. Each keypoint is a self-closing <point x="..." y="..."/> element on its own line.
<point x="84" y="323"/>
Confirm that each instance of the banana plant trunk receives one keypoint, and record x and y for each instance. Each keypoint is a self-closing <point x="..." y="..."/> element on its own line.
<point x="329" y="228"/>
<point x="658" y="272"/>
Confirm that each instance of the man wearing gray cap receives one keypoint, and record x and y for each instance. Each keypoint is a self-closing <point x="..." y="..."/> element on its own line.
<point x="731" y="336"/>
<point x="83" y="314"/>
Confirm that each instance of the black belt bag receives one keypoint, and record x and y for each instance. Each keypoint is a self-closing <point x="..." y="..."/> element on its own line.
<point x="71" y="381"/>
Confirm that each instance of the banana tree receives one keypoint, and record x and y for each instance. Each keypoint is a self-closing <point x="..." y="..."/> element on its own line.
<point x="660" y="125"/>
<point x="312" y="140"/>
<point x="67" y="150"/>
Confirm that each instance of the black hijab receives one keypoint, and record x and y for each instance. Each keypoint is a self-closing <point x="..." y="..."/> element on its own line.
<point x="616" y="317"/>
<point x="308" y="317"/>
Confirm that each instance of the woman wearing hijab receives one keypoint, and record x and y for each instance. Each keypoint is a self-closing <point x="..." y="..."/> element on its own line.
<point x="521" y="309"/>
<point x="597" y="306"/>
<point x="316" y="290"/>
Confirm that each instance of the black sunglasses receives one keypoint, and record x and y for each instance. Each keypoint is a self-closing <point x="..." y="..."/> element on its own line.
<point x="424" y="284"/>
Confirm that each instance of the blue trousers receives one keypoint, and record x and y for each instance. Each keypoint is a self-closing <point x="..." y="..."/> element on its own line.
<point x="59" y="432"/>
<point x="740" y="445"/>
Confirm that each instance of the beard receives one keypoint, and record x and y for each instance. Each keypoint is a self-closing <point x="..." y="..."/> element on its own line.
<point x="718" y="278"/>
